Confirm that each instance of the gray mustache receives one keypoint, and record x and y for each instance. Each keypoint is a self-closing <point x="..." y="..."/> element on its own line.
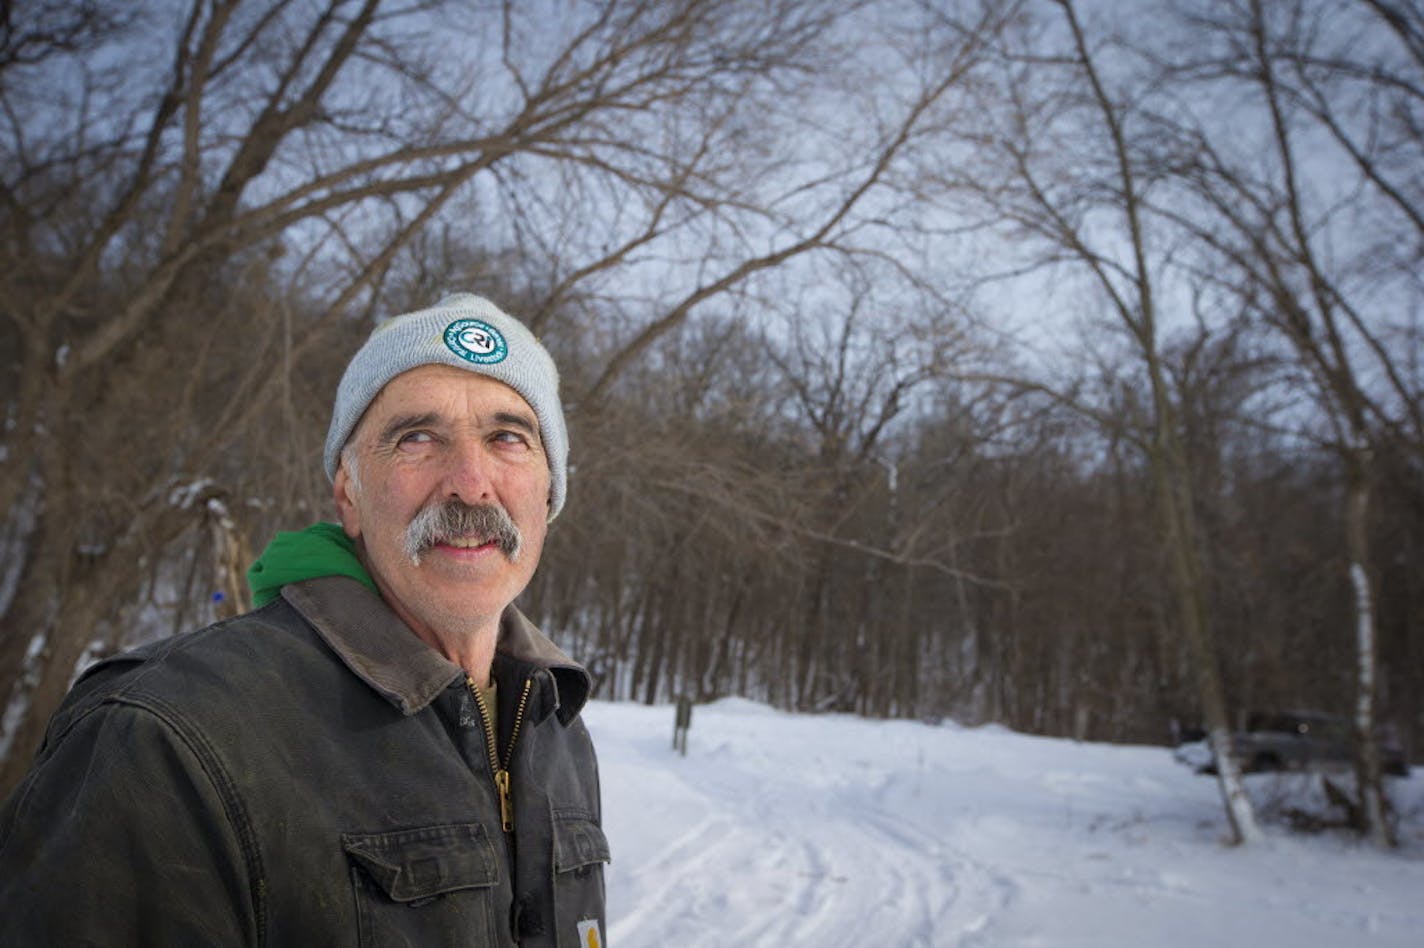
<point x="454" y="519"/>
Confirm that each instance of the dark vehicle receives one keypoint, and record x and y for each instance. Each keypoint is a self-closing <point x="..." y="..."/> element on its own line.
<point x="1294" y="740"/>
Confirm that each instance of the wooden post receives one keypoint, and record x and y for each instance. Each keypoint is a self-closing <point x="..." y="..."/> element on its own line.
<point x="681" y="724"/>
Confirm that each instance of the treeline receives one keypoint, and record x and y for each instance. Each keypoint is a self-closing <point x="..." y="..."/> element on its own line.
<point x="995" y="560"/>
<point x="1013" y="362"/>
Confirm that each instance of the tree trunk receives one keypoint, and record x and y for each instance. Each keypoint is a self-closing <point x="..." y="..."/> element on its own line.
<point x="50" y="682"/>
<point x="1373" y="804"/>
<point x="66" y="597"/>
<point x="1175" y="510"/>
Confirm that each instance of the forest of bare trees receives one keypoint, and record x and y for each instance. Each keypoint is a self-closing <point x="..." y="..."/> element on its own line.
<point x="1011" y="362"/>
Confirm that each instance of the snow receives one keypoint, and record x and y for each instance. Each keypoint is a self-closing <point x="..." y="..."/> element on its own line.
<point x="182" y="496"/>
<point x="788" y="830"/>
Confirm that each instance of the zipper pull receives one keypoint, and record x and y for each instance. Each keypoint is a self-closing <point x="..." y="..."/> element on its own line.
<point x="506" y="808"/>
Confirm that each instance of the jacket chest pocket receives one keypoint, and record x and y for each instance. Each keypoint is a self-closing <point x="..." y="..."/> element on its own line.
<point x="428" y="886"/>
<point x="580" y="850"/>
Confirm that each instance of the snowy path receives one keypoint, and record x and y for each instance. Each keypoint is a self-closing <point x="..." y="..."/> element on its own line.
<point x="785" y="830"/>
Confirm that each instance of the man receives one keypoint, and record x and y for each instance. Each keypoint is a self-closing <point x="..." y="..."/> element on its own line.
<point x="385" y="751"/>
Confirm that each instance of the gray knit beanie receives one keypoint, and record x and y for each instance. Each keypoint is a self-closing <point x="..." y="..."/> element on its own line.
<point x="467" y="332"/>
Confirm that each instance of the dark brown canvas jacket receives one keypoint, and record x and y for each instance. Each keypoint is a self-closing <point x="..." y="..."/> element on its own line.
<point x="308" y="774"/>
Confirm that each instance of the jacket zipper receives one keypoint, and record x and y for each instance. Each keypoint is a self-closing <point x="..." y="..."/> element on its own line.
<point x="501" y="769"/>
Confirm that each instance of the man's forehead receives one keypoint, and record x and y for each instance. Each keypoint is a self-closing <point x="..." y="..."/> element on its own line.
<point x="449" y="393"/>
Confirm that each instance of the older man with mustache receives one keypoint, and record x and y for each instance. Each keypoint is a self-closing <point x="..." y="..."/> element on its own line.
<point x="385" y="751"/>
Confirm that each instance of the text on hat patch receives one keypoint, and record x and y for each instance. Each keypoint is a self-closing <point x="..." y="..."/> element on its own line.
<point x="476" y="341"/>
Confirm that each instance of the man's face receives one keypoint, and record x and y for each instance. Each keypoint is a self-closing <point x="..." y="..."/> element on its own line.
<point x="432" y="435"/>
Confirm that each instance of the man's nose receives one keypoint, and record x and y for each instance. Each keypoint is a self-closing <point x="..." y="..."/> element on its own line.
<point x="468" y="476"/>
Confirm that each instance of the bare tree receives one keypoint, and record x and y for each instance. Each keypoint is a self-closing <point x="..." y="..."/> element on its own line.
<point x="256" y="145"/>
<point x="271" y="166"/>
<point x="1305" y="269"/>
<point x="1081" y="164"/>
<point x="756" y="237"/>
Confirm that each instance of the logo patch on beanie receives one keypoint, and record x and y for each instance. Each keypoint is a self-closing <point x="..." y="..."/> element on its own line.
<point x="476" y="341"/>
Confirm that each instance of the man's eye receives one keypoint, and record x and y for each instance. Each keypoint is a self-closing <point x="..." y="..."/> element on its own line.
<point x="510" y="437"/>
<point x="416" y="437"/>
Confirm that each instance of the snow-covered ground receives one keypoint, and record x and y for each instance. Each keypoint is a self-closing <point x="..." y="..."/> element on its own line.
<point x="790" y="830"/>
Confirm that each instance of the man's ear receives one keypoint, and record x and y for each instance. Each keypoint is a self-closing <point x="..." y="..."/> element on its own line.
<point x="343" y="492"/>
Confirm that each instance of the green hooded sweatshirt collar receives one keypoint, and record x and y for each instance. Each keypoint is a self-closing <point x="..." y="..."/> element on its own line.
<point x="322" y="549"/>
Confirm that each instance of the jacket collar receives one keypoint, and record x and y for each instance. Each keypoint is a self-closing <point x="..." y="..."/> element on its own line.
<point x="381" y="650"/>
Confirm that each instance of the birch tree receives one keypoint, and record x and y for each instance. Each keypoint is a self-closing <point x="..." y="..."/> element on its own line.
<point x="1069" y="170"/>
<point x="1321" y="240"/>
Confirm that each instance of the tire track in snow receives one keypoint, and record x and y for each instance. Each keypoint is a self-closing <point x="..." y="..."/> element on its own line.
<point x="785" y="831"/>
<point x="838" y="868"/>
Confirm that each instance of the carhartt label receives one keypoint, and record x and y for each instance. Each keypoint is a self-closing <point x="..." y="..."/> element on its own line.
<point x="588" y="934"/>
